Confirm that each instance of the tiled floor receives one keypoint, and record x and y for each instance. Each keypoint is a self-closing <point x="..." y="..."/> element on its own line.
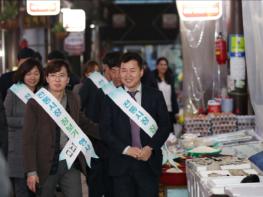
<point x="182" y="192"/>
<point x="177" y="193"/>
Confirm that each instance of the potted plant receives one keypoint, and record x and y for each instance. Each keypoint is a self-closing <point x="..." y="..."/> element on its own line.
<point x="8" y="17"/>
<point x="59" y="31"/>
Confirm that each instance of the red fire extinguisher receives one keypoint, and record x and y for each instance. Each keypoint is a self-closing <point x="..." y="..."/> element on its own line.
<point x="221" y="51"/>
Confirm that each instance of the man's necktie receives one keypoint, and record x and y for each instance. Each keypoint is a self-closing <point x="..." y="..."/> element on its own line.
<point x="135" y="129"/>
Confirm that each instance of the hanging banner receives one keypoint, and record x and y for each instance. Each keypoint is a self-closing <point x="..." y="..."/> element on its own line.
<point x="43" y="7"/>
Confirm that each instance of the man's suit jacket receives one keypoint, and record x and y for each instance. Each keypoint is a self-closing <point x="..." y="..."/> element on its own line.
<point x="90" y="98"/>
<point x="39" y="134"/>
<point x="116" y="132"/>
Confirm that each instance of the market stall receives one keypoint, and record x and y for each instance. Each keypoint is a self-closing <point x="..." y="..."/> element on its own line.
<point x="221" y="129"/>
<point x="210" y="172"/>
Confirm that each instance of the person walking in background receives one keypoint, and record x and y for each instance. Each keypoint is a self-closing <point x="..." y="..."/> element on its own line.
<point x="99" y="182"/>
<point x="43" y="139"/>
<point x="29" y="73"/>
<point x="165" y="84"/>
<point x="90" y="100"/>
<point x="148" y="78"/>
<point x="135" y="159"/>
<point x="88" y="68"/>
<point x="6" y="80"/>
<point x="110" y="66"/>
<point x="112" y="61"/>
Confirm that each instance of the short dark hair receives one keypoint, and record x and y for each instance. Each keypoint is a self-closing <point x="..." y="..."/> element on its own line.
<point x="56" y="65"/>
<point x="89" y="67"/>
<point x="56" y="55"/>
<point x="25" y="53"/>
<point x="112" y="59"/>
<point x="38" y="56"/>
<point x="25" y="67"/>
<point x="132" y="56"/>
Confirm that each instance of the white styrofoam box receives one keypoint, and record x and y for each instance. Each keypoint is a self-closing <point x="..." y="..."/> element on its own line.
<point x="245" y="190"/>
<point x="250" y="171"/>
<point x="239" y="166"/>
<point x="204" y="174"/>
<point x="200" y="168"/>
<point x="226" y="181"/>
<point x="217" y="190"/>
<point x="195" y="166"/>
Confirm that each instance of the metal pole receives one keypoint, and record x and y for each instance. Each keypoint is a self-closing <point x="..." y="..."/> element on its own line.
<point x="237" y="85"/>
<point x="3" y="43"/>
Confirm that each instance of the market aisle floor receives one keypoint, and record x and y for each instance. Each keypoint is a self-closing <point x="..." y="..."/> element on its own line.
<point x="170" y="193"/>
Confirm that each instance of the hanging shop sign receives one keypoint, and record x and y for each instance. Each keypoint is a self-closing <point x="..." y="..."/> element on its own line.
<point x="199" y="10"/>
<point x="69" y="20"/>
<point x="236" y="45"/>
<point x="43" y="8"/>
<point x="74" y="44"/>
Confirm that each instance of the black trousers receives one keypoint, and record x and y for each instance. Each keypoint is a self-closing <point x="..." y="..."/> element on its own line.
<point x="140" y="181"/>
<point x="99" y="182"/>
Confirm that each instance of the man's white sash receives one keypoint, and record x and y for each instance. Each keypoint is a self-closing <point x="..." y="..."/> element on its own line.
<point x="98" y="79"/>
<point x="78" y="141"/>
<point x="127" y="104"/>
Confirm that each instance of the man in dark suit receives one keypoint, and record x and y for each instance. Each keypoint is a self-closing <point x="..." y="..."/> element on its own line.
<point x="90" y="95"/>
<point x="135" y="162"/>
<point x="148" y="78"/>
<point x="91" y="101"/>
